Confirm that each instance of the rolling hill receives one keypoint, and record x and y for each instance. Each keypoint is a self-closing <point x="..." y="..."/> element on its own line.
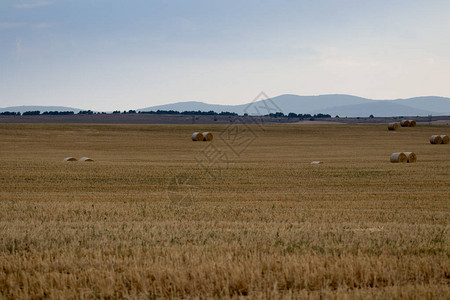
<point x="342" y="105"/>
<point x="25" y="108"/>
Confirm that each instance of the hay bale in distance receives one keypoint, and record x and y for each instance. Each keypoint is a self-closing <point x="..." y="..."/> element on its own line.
<point x="393" y="126"/>
<point x="197" y="136"/>
<point x="435" y="139"/>
<point x="398" y="157"/>
<point x="70" y="158"/>
<point x="412" y="123"/>
<point x="207" y="136"/>
<point x="85" y="159"/>
<point x="445" y="139"/>
<point x="316" y="162"/>
<point x="404" y="123"/>
<point x="411" y="156"/>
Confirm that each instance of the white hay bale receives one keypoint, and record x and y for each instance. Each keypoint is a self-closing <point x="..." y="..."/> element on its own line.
<point x="207" y="136"/>
<point x="197" y="136"/>
<point x="393" y="126"/>
<point x="411" y="157"/>
<point x="445" y="139"/>
<point x="316" y="162"/>
<point x="70" y="158"/>
<point x="85" y="159"/>
<point x="435" y="139"/>
<point x="398" y="157"/>
<point x="404" y="123"/>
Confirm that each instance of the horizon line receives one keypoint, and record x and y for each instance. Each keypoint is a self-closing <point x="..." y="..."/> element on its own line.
<point x="202" y="102"/>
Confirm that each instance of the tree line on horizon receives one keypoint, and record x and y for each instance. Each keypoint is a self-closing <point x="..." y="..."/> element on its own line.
<point x="290" y="115"/>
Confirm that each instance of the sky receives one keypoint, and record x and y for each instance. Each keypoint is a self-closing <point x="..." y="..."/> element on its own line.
<point x="118" y="55"/>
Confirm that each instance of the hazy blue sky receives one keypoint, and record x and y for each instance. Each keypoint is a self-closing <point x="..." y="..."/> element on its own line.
<point x="107" y="55"/>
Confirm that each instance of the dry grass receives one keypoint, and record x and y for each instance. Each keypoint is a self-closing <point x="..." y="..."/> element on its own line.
<point x="268" y="225"/>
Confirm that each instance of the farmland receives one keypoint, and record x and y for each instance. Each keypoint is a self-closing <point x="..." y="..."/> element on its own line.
<point x="159" y="216"/>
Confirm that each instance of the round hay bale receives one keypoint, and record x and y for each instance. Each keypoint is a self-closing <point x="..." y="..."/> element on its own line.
<point x="435" y="139"/>
<point x="393" y="126"/>
<point x="85" y="159"/>
<point x="411" y="156"/>
<point x="412" y="123"/>
<point x="207" y="136"/>
<point x="70" y="158"/>
<point x="398" y="157"/>
<point x="404" y="123"/>
<point x="197" y="136"/>
<point x="445" y="139"/>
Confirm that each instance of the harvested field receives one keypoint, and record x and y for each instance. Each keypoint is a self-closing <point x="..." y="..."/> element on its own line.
<point x="158" y="216"/>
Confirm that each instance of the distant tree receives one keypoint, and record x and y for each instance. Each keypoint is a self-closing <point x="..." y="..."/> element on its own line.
<point x="322" y="116"/>
<point x="227" y="113"/>
<point x="131" y="111"/>
<point x="292" y="115"/>
<point x="85" y="112"/>
<point x="337" y="117"/>
<point x="10" y="113"/>
<point x="371" y="116"/>
<point x="116" y="112"/>
<point x="276" y="115"/>
<point x="58" y="113"/>
<point x="31" y="113"/>
<point x="189" y="112"/>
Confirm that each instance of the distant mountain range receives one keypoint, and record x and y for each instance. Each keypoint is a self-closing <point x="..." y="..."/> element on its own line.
<point x="341" y="105"/>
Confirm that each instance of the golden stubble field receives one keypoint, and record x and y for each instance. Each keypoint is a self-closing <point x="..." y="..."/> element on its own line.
<point x="247" y="215"/>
